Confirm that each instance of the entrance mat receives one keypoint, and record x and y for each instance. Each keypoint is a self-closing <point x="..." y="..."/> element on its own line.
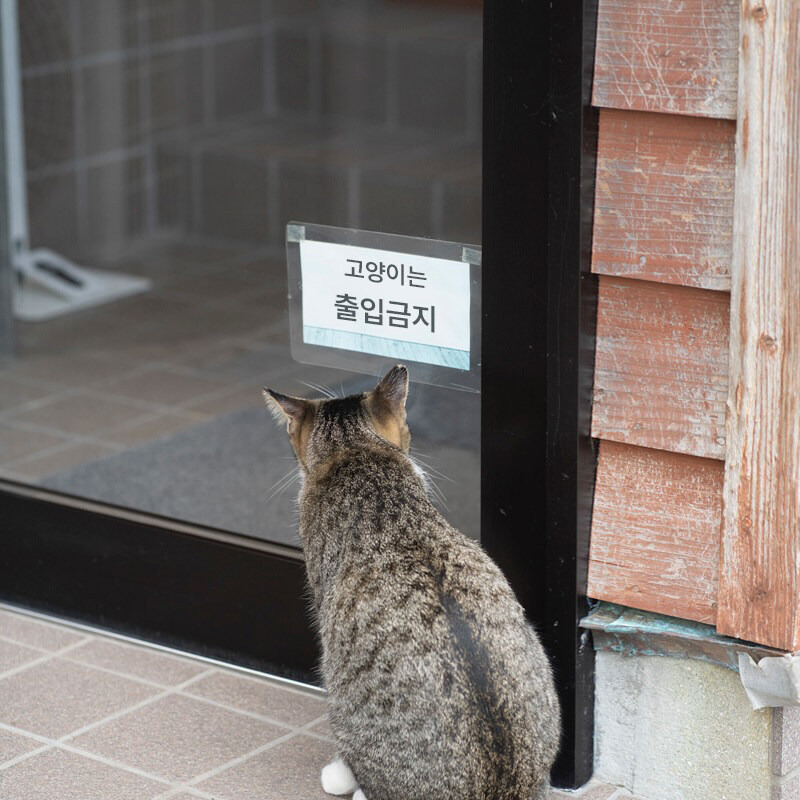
<point x="229" y="472"/>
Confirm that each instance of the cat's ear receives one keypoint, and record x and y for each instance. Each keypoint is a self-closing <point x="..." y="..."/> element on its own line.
<point x="283" y="407"/>
<point x="392" y="389"/>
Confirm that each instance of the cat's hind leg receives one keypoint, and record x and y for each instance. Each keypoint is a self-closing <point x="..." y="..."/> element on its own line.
<point x="359" y="795"/>
<point x="337" y="778"/>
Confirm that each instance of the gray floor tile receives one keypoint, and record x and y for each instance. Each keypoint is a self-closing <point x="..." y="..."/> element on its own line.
<point x="58" y="697"/>
<point x="323" y="729"/>
<point x="178" y="738"/>
<point x="260" y="697"/>
<point x="240" y="397"/>
<point x="164" y="387"/>
<point x="70" y="455"/>
<point x="186" y="796"/>
<point x="83" y="414"/>
<point x="290" y="769"/>
<point x="14" y="394"/>
<point x="14" y="744"/>
<point x="153" y="428"/>
<point x="60" y="775"/>
<point x="73" y="370"/>
<point x="138" y="662"/>
<point x="35" y="633"/>
<point x="18" y="442"/>
<point x="13" y="655"/>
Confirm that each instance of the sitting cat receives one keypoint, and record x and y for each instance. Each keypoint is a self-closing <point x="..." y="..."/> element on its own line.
<point x="438" y="687"/>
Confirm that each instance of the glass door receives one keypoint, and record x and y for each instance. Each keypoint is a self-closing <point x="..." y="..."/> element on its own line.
<point x="167" y="145"/>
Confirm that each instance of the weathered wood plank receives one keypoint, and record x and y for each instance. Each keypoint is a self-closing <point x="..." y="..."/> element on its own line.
<point x="662" y="55"/>
<point x="759" y="595"/>
<point x="664" y="198"/>
<point x="661" y="366"/>
<point x="655" y="531"/>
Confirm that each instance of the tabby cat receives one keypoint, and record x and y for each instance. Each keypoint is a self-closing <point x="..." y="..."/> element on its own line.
<point x="438" y="688"/>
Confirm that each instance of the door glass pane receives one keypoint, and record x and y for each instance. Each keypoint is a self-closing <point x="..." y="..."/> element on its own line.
<point x="167" y="144"/>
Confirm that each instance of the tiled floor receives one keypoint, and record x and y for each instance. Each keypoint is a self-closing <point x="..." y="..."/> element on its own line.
<point x="200" y="344"/>
<point x="84" y="716"/>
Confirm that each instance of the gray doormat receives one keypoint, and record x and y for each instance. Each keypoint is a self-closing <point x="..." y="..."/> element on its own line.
<point x="226" y="473"/>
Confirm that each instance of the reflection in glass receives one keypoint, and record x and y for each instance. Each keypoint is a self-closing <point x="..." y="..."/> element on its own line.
<point x="173" y="140"/>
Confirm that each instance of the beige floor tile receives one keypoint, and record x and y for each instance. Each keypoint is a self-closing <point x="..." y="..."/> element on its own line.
<point x="186" y="796"/>
<point x="239" y="398"/>
<point x="18" y="442"/>
<point x="13" y="745"/>
<point x="138" y="662"/>
<point x="69" y="370"/>
<point x="26" y="630"/>
<point x="14" y="655"/>
<point x="290" y="769"/>
<point x="260" y="697"/>
<point x="154" y="428"/>
<point x="165" y="387"/>
<point x="598" y="791"/>
<point x="83" y="414"/>
<point x="61" y="775"/>
<point x="65" y="457"/>
<point x="178" y="737"/>
<point x="14" y="394"/>
<point x="58" y="697"/>
<point x="8" y="474"/>
<point x="323" y="729"/>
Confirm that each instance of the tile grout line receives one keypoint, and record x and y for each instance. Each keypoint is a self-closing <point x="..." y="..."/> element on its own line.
<point x="130" y="709"/>
<point x="307" y="690"/>
<point x="25" y="756"/>
<point x="175" y="787"/>
<point x="55" y="744"/>
<point x="42" y="659"/>
<point x="119" y="674"/>
<point x="204" y="776"/>
<point x="63" y="743"/>
<point x="193" y="784"/>
<point x="167" y="689"/>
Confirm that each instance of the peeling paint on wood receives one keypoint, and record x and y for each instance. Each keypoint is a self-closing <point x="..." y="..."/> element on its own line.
<point x="661" y="366"/>
<point x="655" y="531"/>
<point x="663" y="55"/>
<point x="760" y="555"/>
<point x="664" y="198"/>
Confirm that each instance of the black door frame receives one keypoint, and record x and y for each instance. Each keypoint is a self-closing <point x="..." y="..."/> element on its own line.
<point x="201" y="590"/>
<point x="537" y="455"/>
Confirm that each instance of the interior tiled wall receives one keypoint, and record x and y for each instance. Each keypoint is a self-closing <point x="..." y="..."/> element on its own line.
<point x="225" y="118"/>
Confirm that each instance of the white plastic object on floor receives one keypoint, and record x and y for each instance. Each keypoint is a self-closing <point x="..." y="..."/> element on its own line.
<point x="49" y="285"/>
<point x="46" y="284"/>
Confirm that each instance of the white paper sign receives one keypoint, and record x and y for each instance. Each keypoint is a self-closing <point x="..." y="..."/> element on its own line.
<point x="393" y="304"/>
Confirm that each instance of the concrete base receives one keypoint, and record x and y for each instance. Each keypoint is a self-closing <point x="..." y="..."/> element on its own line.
<point x="680" y="729"/>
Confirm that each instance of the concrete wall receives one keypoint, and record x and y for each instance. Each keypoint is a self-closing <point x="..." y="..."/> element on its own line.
<point x="679" y="729"/>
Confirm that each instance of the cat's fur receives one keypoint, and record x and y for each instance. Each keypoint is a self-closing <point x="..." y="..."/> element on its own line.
<point x="438" y="687"/>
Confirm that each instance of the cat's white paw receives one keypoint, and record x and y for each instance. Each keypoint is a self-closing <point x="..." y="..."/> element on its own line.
<point x="359" y="795"/>
<point x="338" y="779"/>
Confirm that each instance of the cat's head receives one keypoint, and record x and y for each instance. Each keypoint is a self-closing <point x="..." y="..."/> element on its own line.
<point x="318" y="427"/>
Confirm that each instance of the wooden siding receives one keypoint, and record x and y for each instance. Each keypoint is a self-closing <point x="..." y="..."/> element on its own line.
<point x="655" y="531"/>
<point x="760" y="577"/>
<point x="661" y="366"/>
<point x="661" y="55"/>
<point x="664" y="198"/>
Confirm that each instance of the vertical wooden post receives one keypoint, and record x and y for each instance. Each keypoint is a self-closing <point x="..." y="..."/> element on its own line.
<point x="759" y="595"/>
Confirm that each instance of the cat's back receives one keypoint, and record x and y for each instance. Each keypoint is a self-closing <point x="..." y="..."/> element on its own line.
<point x="427" y="656"/>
